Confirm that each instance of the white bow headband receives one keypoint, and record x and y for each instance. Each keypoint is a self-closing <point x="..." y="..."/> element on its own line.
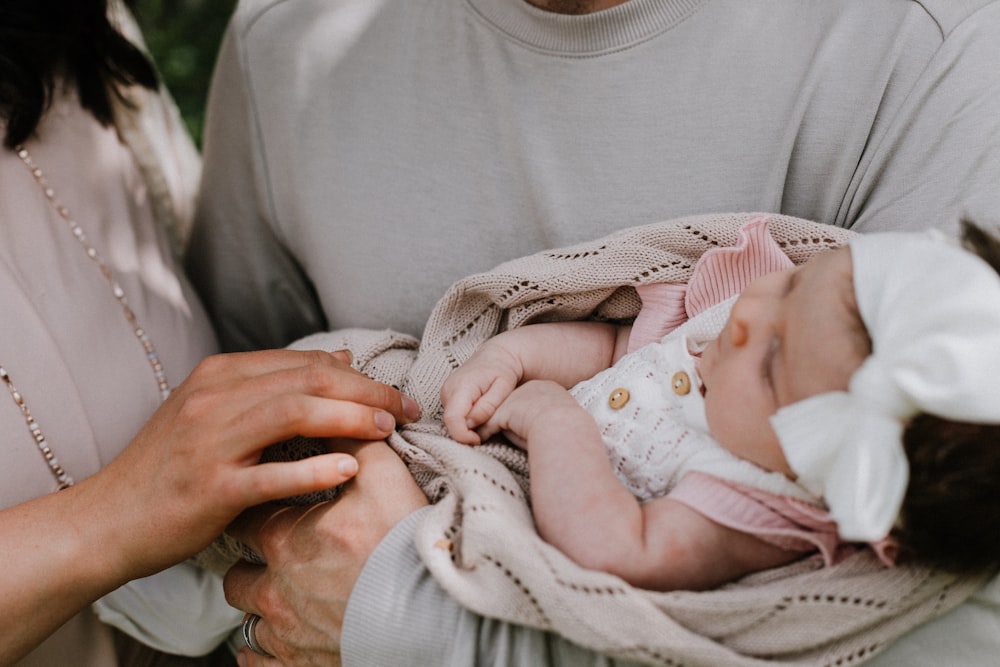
<point x="932" y="310"/>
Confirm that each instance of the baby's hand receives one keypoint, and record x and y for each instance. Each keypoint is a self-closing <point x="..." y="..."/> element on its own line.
<point x="473" y="393"/>
<point x="534" y="407"/>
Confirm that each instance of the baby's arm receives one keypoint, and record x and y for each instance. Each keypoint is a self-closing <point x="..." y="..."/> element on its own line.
<point x="563" y="352"/>
<point x="581" y="508"/>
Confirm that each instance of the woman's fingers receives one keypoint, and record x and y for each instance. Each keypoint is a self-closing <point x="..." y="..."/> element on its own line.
<point x="313" y="372"/>
<point x="274" y="418"/>
<point x="225" y="368"/>
<point x="339" y="382"/>
<point x="273" y="481"/>
<point x="271" y="398"/>
<point x="198" y="454"/>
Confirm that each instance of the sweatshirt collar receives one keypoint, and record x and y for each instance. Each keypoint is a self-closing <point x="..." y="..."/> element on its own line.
<point x="585" y="35"/>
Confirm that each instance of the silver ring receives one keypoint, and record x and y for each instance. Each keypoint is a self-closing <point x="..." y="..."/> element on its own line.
<point x="250" y="635"/>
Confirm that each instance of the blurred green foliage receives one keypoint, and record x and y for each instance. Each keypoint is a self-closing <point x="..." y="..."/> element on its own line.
<point x="183" y="37"/>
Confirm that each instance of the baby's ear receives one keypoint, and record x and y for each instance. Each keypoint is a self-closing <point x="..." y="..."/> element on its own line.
<point x="738" y="332"/>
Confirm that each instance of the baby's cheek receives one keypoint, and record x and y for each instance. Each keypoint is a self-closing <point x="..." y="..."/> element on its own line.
<point x="775" y="456"/>
<point x="759" y="444"/>
<point x="716" y="416"/>
<point x="740" y="431"/>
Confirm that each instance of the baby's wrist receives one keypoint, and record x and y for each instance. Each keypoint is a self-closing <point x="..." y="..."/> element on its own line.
<point x="502" y="360"/>
<point x="553" y="409"/>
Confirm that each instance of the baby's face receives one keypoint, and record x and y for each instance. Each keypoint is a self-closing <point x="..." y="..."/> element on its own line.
<point x="791" y="335"/>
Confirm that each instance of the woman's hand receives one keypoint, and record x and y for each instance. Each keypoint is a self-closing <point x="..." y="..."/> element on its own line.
<point x="189" y="472"/>
<point x="315" y="555"/>
<point x="193" y="467"/>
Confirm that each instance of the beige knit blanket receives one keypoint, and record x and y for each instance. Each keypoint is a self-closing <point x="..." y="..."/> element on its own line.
<point x="479" y="542"/>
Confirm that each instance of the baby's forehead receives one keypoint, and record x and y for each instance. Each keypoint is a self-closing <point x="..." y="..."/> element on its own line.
<point x="822" y="338"/>
<point x="830" y="277"/>
<point x="843" y="280"/>
<point x="825" y="349"/>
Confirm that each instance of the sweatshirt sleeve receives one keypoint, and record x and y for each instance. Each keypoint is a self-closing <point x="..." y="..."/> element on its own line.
<point x="939" y="156"/>
<point x="398" y="615"/>
<point x="256" y="293"/>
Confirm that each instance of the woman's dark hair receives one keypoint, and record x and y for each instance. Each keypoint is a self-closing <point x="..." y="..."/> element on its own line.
<point x="951" y="512"/>
<point x="41" y="40"/>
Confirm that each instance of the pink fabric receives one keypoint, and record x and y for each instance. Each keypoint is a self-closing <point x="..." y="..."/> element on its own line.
<point x="783" y="521"/>
<point x="662" y="311"/>
<point x="719" y="274"/>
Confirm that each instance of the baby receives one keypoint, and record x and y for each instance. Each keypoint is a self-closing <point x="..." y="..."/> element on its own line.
<point x="863" y="383"/>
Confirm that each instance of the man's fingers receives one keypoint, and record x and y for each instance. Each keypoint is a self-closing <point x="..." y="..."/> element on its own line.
<point x="240" y="582"/>
<point x="254" y="522"/>
<point x="380" y="474"/>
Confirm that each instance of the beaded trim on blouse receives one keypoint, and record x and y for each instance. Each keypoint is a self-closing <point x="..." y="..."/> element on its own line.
<point x="62" y="478"/>
<point x="109" y="276"/>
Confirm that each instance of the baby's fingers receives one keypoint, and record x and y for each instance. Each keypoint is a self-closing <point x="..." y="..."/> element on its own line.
<point x="487" y="431"/>
<point x="487" y="405"/>
<point x="458" y="427"/>
<point x="457" y="399"/>
<point x="493" y="427"/>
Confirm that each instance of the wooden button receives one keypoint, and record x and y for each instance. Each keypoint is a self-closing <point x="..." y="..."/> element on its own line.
<point x="681" y="383"/>
<point x="618" y="398"/>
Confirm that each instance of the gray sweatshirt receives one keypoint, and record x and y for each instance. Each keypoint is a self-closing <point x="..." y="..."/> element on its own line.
<point x="362" y="155"/>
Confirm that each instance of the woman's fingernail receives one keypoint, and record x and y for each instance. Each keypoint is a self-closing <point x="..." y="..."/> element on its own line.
<point x="347" y="356"/>
<point x="347" y="466"/>
<point x="410" y="407"/>
<point x="384" y="421"/>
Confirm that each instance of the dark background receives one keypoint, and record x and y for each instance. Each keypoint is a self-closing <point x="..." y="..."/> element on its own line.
<point x="183" y="37"/>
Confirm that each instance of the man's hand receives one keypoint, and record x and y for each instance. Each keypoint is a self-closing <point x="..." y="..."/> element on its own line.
<point x="315" y="555"/>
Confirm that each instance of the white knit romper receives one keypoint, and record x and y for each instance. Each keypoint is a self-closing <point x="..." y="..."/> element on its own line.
<point x="651" y="413"/>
